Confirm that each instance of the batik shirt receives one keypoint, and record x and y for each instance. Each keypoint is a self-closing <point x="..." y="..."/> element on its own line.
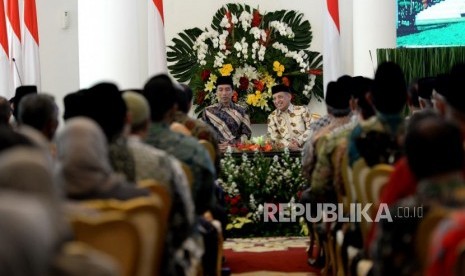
<point x="121" y="159"/>
<point x="375" y="140"/>
<point x="189" y="151"/>
<point x="152" y="163"/>
<point x="294" y="123"/>
<point x="328" y="160"/>
<point x="229" y="122"/>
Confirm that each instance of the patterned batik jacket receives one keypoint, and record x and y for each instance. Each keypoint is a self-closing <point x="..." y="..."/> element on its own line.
<point x="231" y="123"/>
<point x="294" y="123"/>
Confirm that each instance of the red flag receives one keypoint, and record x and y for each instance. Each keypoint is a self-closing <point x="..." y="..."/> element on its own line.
<point x="332" y="48"/>
<point x="156" y="38"/>
<point x="14" y="42"/>
<point x="5" y="90"/>
<point x="31" y="60"/>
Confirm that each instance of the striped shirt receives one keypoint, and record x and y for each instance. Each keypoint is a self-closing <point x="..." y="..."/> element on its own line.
<point x="230" y="122"/>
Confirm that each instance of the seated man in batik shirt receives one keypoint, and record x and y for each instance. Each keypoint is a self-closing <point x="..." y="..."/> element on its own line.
<point x="230" y="121"/>
<point x="288" y="124"/>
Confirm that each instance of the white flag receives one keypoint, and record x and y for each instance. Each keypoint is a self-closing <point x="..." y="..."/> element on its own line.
<point x="156" y="39"/>
<point x="332" y="69"/>
<point x="14" y="43"/>
<point x="31" y="62"/>
<point x="5" y="89"/>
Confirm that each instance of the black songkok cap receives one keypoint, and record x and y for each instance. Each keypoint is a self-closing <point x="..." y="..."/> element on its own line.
<point x="337" y="96"/>
<point x="21" y="91"/>
<point x="224" y="80"/>
<point x="425" y="87"/>
<point x="280" y="88"/>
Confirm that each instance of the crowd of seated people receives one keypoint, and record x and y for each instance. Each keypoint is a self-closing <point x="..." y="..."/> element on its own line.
<point x="414" y="136"/>
<point x="111" y="142"/>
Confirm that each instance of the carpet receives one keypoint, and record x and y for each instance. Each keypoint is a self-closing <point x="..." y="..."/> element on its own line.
<point x="268" y="256"/>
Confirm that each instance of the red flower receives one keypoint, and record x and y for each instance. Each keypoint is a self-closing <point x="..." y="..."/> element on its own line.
<point x="234" y="200"/>
<point x="243" y="83"/>
<point x="229" y="16"/>
<point x="315" y="72"/>
<point x="227" y="198"/>
<point x="286" y="81"/>
<point x="259" y="85"/>
<point x="235" y="97"/>
<point x="244" y="211"/>
<point x="200" y="97"/>
<point x="234" y="210"/>
<point x="205" y="74"/>
<point x="257" y="18"/>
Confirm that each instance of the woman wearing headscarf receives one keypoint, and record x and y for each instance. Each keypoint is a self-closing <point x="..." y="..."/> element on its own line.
<point x="29" y="171"/>
<point x="83" y="168"/>
<point x="26" y="235"/>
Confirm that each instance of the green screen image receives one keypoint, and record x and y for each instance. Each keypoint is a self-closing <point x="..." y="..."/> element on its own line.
<point x="424" y="23"/>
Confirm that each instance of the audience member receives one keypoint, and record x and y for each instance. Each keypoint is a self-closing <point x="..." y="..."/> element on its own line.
<point x="90" y="103"/>
<point x="435" y="154"/>
<point x="229" y="120"/>
<point x="425" y="91"/>
<point x="26" y="235"/>
<point x="5" y="112"/>
<point x="337" y="99"/>
<point x="21" y="91"/>
<point x="161" y="96"/>
<point x="288" y="125"/>
<point x="83" y="170"/>
<point x="196" y="127"/>
<point x="40" y="112"/>
<point x="377" y="139"/>
<point x="152" y="163"/>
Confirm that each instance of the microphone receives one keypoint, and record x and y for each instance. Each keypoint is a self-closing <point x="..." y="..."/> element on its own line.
<point x="372" y="63"/>
<point x="17" y="71"/>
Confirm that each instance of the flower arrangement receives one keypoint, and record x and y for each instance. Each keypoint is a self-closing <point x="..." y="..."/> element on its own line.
<point x="258" y="50"/>
<point x="250" y="182"/>
<point x="259" y="143"/>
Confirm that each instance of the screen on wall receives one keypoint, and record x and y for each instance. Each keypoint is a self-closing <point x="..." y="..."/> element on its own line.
<point x="424" y="23"/>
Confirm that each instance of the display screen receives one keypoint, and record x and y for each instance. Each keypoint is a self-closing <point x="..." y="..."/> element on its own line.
<point x="424" y="23"/>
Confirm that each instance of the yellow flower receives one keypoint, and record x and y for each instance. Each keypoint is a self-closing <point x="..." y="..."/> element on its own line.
<point x="226" y="70"/>
<point x="210" y="84"/>
<point x="278" y="68"/>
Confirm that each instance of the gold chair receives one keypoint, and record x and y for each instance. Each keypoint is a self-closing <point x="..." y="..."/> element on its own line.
<point x="149" y="217"/>
<point x="360" y="171"/>
<point x="158" y="189"/>
<point x="376" y="178"/>
<point x="210" y="148"/>
<point x="113" y="234"/>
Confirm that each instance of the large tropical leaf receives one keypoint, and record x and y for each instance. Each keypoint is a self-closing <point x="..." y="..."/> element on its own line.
<point x="302" y="29"/>
<point x="181" y="56"/>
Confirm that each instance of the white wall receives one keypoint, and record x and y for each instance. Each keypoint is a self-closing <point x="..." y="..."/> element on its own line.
<point x="365" y="25"/>
<point x="59" y="60"/>
<point x="374" y="28"/>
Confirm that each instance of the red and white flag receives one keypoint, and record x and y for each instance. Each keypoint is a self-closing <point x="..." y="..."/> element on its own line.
<point x="31" y="61"/>
<point x="5" y="90"/>
<point x="332" y="69"/>
<point x="14" y="42"/>
<point x="156" y="39"/>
